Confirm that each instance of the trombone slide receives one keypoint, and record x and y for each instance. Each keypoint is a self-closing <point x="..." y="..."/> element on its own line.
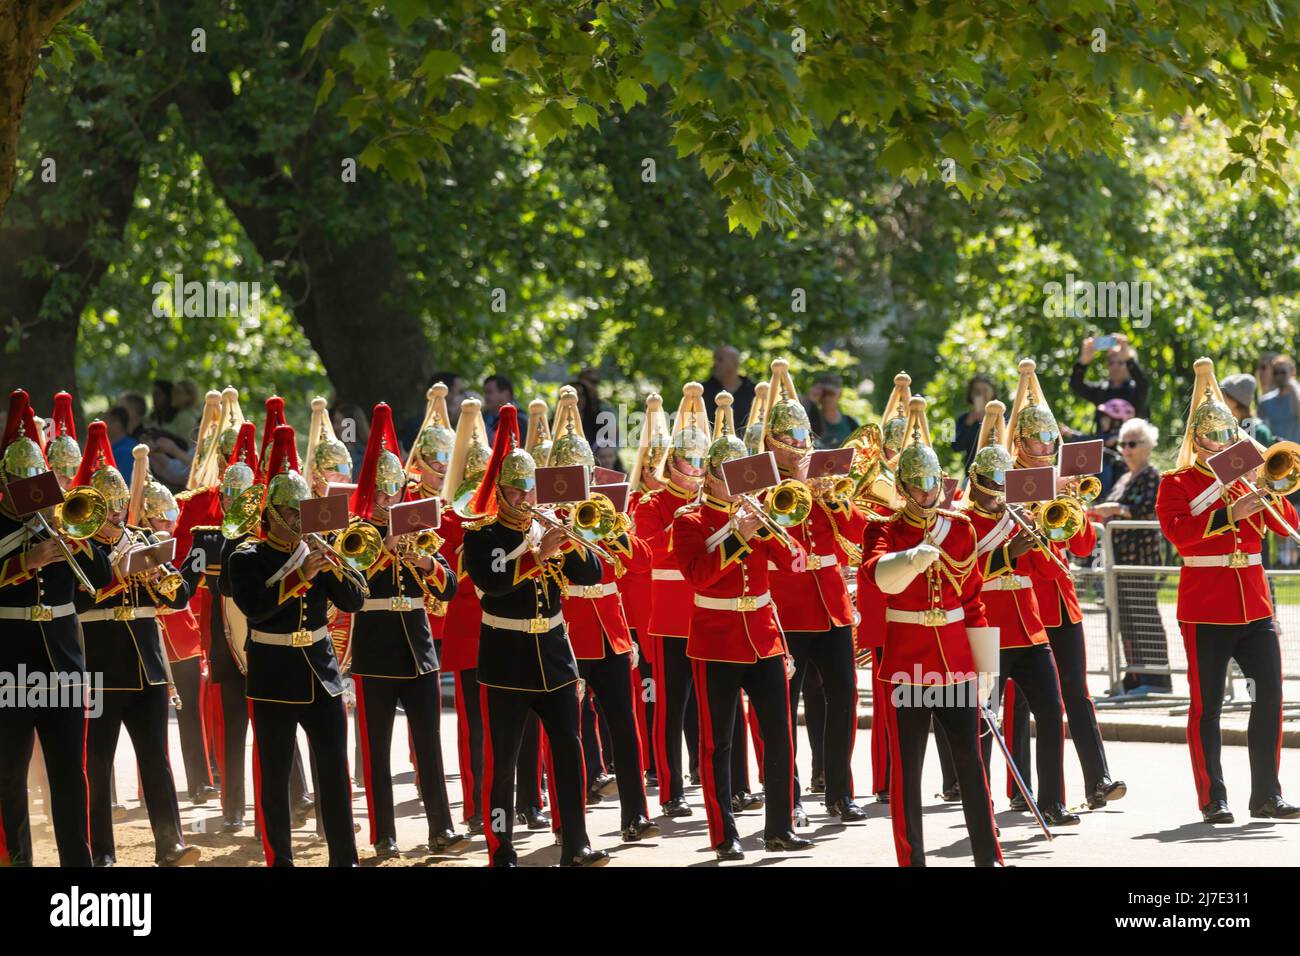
<point x="1028" y="528"/>
<point x="68" y="556"/>
<point x="1253" y="489"/>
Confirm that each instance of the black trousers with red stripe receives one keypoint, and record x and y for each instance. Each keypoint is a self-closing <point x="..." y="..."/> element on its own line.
<point x="377" y="700"/>
<point x="1072" y="665"/>
<point x="718" y="685"/>
<point x="275" y="740"/>
<point x="739" y="743"/>
<point x="1254" y="646"/>
<point x="611" y="678"/>
<point x="469" y="749"/>
<point x="910" y="712"/>
<point x="505" y="713"/>
<point x="144" y="714"/>
<point x="62" y="731"/>
<point x="672" y="689"/>
<point x="831" y="652"/>
<point x="1033" y="668"/>
<point x="644" y="679"/>
<point x="189" y="721"/>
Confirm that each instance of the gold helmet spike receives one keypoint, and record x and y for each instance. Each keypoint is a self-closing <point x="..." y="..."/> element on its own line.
<point x="757" y="414"/>
<point x="726" y="446"/>
<point x="470" y="454"/>
<point x="538" y="441"/>
<point x="1208" y="413"/>
<point x="324" y="450"/>
<point x="893" y="420"/>
<point x="203" y="461"/>
<point x="232" y="416"/>
<point x="1031" y="417"/>
<point x="786" y="420"/>
<point x="653" y="441"/>
<point x="140" y="477"/>
<point x="690" y="435"/>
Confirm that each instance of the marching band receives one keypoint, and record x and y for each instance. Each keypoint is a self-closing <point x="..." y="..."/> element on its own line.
<point x="715" y="584"/>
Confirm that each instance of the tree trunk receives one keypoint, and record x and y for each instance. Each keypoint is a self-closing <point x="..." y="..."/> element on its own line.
<point x="25" y="25"/>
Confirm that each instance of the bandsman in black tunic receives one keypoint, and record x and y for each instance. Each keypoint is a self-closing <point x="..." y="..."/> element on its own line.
<point x="393" y="656"/>
<point x="284" y="585"/>
<point x="41" y="638"/>
<point x="124" y="645"/>
<point x="525" y="662"/>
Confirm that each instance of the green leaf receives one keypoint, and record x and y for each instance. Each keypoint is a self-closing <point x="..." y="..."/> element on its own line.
<point x="438" y="64"/>
<point x="584" y="114"/>
<point x="629" y="93"/>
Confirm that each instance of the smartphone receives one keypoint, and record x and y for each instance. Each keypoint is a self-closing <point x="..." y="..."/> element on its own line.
<point x="1103" y="342"/>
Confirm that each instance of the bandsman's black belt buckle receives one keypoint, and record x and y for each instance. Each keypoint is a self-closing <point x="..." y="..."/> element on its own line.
<point x="124" y="612"/>
<point x="400" y="603"/>
<point x="42" y="612"/>
<point x="301" y="638"/>
<point x="538" y="625"/>
<point x="1238" y="559"/>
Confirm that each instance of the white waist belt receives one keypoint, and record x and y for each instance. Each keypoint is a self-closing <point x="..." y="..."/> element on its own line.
<point x="1238" y="559"/>
<point x="746" y="602"/>
<point x="526" y="625"/>
<point x="289" y="639"/>
<point x="592" y="591"/>
<point x="122" y="612"/>
<point x="931" y="618"/>
<point x="41" y="612"/>
<point x="815" y="562"/>
<point x="390" y="604"/>
<point x="666" y="574"/>
<point x="1008" y="582"/>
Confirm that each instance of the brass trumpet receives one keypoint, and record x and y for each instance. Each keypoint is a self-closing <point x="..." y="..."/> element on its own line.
<point x="170" y="581"/>
<point x="418" y="544"/>
<point x="1029" y="526"/>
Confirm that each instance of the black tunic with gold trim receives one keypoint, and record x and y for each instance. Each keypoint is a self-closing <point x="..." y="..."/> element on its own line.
<point x="503" y="564"/>
<point x="288" y="604"/>
<point x="391" y="637"/>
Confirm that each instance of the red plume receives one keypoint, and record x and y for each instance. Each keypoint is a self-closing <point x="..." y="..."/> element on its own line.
<point x="98" y="451"/>
<point x="507" y="439"/>
<point x="64" y="424"/>
<point x="284" y="449"/>
<point x="274" y="419"/>
<point x="245" y="449"/>
<point x="383" y="437"/>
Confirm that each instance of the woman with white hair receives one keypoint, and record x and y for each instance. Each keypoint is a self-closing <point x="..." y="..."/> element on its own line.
<point x="1133" y="496"/>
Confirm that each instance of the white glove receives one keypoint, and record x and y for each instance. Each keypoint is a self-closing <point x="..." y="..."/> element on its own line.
<point x="896" y="570"/>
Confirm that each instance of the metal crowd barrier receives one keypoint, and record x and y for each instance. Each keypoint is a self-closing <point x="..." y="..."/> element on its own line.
<point x="1129" y="619"/>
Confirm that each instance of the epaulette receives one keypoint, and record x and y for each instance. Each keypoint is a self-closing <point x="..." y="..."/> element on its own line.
<point x="1175" y="471"/>
<point x="192" y="492"/>
<point x="686" y="509"/>
<point x="206" y="527"/>
<point x="477" y="524"/>
<point x="952" y="513"/>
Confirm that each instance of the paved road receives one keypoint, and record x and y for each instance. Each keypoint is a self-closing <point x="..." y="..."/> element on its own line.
<point x="1156" y="824"/>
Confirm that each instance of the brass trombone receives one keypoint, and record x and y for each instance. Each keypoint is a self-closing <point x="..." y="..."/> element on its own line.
<point x="82" y="513"/>
<point x="1029" y="527"/>
<point x="788" y="505"/>
<point x="358" y="542"/>
<point x="1280" y="474"/>
<point x="585" y="508"/>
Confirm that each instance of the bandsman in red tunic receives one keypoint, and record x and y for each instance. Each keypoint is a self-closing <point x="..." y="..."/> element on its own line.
<point x="1224" y="608"/>
<point x="924" y="561"/>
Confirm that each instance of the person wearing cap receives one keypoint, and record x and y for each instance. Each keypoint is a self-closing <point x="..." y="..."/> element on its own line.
<point x="203" y="566"/>
<point x="394" y="660"/>
<point x="1239" y="395"/>
<point x="284" y="585"/>
<point x="1111" y="415"/>
<point x="678" y="476"/>
<point x="601" y="639"/>
<point x="816" y="613"/>
<point x="1224" y="607"/>
<point x="924" y="560"/>
<point x="723" y="549"/>
<point x="525" y="662"/>
<point x="124" y="644"/>
<point x="1007" y="558"/>
<point x="154" y="506"/>
<point x="1033" y="439"/>
<point x="450" y="464"/>
<point x="41" y="636"/>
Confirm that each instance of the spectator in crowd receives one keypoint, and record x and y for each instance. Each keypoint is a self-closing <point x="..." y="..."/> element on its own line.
<point x="1124" y="377"/>
<point x="834" y="425"/>
<point x="1133" y="497"/>
<point x="1111" y="416"/>
<point x="352" y="426"/>
<point x="1280" y="407"/>
<point x="120" y="439"/>
<point x="603" y="416"/>
<point x="607" y="457"/>
<point x="726" y="376"/>
<point x="1239" y="390"/>
<point x="498" y="392"/>
<point x="980" y="390"/>
<point x="1264" y="373"/>
<point x="175" y="409"/>
<point x="137" y="410"/>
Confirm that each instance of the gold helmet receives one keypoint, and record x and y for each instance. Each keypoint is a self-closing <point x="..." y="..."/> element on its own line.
<point x="324" y="450"/>
<point x="242" y="470"/>
<point x="652" y="445"/>
<point x="893" y="421"/>
<point x="159" y="502"/>
<point x="65" y="455"/>
<point x="725" y="446"/>
<point x="571" y="447"/>
<point x="390" y="476"/>
<point x="232" y="416"/>
<point x="518" y="470"/>
<point x="689" y="441"/>
<point x="207" y="464"/>
<point x="757" y="416"/>
<point x="1031" y="418"/>
<point x="787" y="422"/>
<point x="992" y="460"/>
<point x="23" y="458"/>
<point x="435" y="441"/>
<point x="538" y="440"/>
<point x="918" y="465"/>
<point x="286" y="487"/>
<point x="1208" y="418"/>
<point x="470" y="454"/>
